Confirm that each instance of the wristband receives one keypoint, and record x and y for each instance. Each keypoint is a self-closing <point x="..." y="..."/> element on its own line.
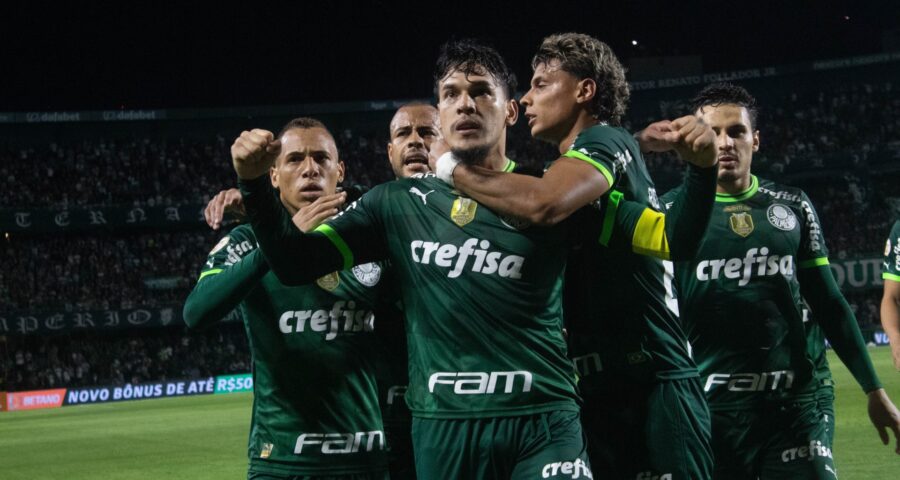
<point x="444" y="167"/>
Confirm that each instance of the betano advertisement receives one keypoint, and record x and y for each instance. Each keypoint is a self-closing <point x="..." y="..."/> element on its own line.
<point x="61" y="397"/>
<point x="35" y="399"/>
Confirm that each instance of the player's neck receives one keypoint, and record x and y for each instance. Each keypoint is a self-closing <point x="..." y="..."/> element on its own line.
<point x="736" y="186"/>
<point x="287" y="206"/>
<point x="584" y="121"/>
<point x="496" y="156"/>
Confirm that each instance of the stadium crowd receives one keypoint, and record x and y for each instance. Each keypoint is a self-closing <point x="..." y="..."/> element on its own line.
<point x="86" y="272"/>
<point x="134" y="357"/>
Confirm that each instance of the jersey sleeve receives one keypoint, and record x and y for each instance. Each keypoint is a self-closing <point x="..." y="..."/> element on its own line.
<point x="597" y="147"/>
<point x="812" y="251"/>
<point x="674" y="235"/>
<point x="234" y="266"/>
<point x="231" y="249"/>
<point x="358" y="231"/>
<point x="629" y="225"/>
<point x="891" y="266"/>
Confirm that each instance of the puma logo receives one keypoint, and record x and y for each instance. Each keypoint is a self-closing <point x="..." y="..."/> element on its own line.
<point x="418" y="192"/>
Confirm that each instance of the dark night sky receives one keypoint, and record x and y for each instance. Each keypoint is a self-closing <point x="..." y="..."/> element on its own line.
<point x="119" y="55"/>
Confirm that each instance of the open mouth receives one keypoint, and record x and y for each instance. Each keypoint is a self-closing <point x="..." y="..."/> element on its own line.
<point x="416" y="158"/>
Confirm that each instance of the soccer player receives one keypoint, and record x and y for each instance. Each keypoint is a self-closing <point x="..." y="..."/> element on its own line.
<point x="414" y="128"/>
<point x="315" y="409"/>
<point x="890" y="302"/>
<point x="741" y="299"/>
<point x="644" y="412"/>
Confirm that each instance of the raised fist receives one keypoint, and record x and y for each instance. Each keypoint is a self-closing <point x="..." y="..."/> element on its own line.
<point x="696" y="141"/>
<point x="254" y="152"/>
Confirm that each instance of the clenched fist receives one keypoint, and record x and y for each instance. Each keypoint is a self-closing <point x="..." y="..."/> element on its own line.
<point x="689" y="136"/>
<point x="696" y="141"/>
<point x="254" y="152"/>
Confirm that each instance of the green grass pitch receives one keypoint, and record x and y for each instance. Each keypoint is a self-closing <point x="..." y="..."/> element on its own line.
<point x="205" y="437"/>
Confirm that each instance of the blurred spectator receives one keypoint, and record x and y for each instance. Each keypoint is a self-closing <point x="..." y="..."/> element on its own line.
<point x="87" y="359"/>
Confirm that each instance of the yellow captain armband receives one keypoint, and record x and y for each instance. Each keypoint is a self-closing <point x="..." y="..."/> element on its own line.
<point x="650" y="235"/>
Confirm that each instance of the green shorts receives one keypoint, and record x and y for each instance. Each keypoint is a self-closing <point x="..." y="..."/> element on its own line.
<point x="658" y="430"/>
<point x="543" y="445"/>
<point x="787" y="441"/>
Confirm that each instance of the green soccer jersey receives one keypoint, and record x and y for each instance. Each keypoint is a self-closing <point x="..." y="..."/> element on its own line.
<point x="315" y="405"/>
<point x="481" y="293"/>
<point x="740" y="296"/>
<point x="891" y="270"/>
<point x="632" y="331"/>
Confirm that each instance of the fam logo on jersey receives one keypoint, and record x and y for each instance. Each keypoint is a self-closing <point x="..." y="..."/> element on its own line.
<point x="751" y="382"/>
<point x="368" y="274"/>
<point x="781" y="217"/>
<point x="482" y="383"/>
<point x="340" y="443"/>
<point x="463" y="211"/>
<point x="741" y="223"/>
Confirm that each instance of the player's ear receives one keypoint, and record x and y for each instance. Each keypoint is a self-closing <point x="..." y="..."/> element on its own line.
<point x="273" y="175"/>
<point x="586" y="90"/>
<point x="340" y="169"/>
<point x="512" y="112"/>
<point x="756" y="140"/>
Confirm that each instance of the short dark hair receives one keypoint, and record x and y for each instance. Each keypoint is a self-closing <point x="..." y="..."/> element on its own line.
<point x="586" y="57"/>
<point x="302" y="123"/>
<point x="716" y="94"/>
<point x="474" y="57"/>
